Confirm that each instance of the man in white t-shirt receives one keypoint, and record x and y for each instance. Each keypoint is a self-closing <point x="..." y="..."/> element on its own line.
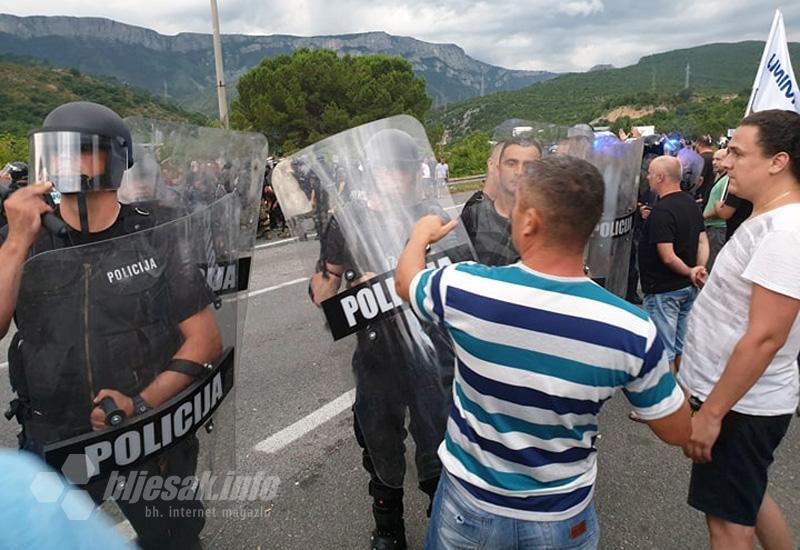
<point x="427" y="180"/>
<point x="442" y="173"/>
<point x="743" y="338"/>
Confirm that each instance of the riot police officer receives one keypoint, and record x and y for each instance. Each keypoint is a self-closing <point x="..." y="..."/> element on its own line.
<point x="399" y="364"/>
<point x="150" y="331"/>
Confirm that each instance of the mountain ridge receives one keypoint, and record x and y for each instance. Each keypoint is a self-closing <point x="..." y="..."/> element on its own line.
<point x="451" y="74"/>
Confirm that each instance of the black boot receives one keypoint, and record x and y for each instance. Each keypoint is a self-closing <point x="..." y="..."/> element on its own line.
<point x="390" y="530"/>
<point x="429" y="488"/>
<point x="387" y="509"/>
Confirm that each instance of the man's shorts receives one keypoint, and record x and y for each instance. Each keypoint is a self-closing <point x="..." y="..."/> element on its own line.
<point x="732" y="486"/>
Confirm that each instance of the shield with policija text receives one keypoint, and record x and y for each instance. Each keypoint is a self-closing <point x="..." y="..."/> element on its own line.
<point x="362" y="191"/>
<point x="126" y="353"/>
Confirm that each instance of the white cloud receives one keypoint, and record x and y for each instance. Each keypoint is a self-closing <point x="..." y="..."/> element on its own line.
<point x="580" y="7"/>
<point x="571" y="35"/>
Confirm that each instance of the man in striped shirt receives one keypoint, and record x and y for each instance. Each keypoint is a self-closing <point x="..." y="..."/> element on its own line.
<point x="539" y="349"/>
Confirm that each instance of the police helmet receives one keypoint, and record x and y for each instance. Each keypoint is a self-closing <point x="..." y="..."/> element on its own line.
<point x="393" y="149"/>
<point x="81" y="147"/>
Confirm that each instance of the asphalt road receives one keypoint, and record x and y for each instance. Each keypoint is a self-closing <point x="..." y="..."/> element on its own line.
<point x="290" y="369"/>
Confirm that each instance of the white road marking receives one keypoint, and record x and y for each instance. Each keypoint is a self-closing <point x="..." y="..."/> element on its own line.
<point x="255" y="293"/>
<point x="288" y="435"/>
<point x="4" y="365"/>
<point x="276" y="243"/>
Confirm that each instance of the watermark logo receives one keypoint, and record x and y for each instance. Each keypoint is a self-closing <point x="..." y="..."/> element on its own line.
<point x="155" y="492"/>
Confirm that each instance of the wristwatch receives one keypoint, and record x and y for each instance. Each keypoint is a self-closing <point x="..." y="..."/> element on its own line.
<point x="140" y="406"/>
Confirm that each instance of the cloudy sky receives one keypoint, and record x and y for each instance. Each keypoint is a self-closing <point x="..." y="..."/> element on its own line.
<point x="556" y="35"/>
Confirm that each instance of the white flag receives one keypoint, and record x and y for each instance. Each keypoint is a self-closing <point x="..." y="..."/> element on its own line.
<point x="775" y="86"/>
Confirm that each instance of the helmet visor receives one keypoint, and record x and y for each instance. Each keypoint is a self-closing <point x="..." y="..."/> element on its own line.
<point x="76" y="162"/>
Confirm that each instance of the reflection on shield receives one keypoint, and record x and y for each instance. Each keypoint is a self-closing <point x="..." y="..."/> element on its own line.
<point x="362" y="189"/>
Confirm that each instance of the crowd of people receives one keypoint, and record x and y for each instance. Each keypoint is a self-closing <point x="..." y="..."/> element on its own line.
<point x="517" y="352"/>
<point x="722" y="342"/>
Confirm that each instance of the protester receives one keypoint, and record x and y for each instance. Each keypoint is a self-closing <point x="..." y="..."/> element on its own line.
<point x="59" y="518"/>
<point x="673" y="251"/>
<point x="539" y="348"/>
<point x="426" y="179"/>
<point x="716" y="225"/>
<point x="442" y="173"/>
<point x="743" y="339"/>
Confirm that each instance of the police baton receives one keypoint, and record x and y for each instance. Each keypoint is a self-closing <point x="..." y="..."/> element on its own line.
<point x="114" y="415"/>
<point x="49" y="221"/>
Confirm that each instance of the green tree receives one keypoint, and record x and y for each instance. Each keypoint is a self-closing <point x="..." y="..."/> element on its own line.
<point x="468" y="156"/>
<point x="13" y="148"/>
<point x="298" y="99"/>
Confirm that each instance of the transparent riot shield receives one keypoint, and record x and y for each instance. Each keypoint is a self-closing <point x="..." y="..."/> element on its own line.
<point x="105" y="324"/>
<point x="361" y="191"/>
<point x="691" y="169"/>
<point x="608" y="251"/>
<point x="181" y="168"/>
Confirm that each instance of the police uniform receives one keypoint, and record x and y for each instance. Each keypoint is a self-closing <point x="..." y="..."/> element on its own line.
<point x="105" y="317"/>
<point x="489" y="232"/>
<point x="392" y="365"/>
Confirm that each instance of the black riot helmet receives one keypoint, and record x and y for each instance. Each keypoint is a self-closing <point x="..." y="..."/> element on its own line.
<point x="393" y="162"/>
<point x="81" y="147"/>
<point x="392" y="149"/>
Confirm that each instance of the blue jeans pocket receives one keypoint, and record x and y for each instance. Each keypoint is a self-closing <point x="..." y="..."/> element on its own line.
<point x="454" y="526"/>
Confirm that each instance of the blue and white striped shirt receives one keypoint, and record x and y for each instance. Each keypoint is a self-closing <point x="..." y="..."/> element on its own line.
<point x="537" y="356"/>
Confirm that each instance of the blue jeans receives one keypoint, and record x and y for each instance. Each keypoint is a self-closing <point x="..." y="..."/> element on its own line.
<point x="670" y="313"/>
<point x="457" y="525"/>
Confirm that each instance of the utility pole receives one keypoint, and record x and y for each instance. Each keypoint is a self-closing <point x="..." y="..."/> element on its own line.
<point x="223" y="103"/>
<point x="688" y="74"/>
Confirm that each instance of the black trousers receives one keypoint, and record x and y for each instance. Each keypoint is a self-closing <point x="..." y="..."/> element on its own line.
<point x="159" y="523"/>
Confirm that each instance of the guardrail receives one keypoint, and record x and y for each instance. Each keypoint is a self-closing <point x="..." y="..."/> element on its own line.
<point x="466" y="179"/>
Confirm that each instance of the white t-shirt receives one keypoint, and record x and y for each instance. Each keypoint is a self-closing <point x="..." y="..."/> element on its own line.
<point x="426" y="170"/>
<point x="441" y="171"/>
<point x="765" y="250"/>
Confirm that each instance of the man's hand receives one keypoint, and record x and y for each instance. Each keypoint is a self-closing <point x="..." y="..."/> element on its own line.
<point x="24" y="211"/>
<point x="644" y="211"/>
<point x="98" y="417"/>
<point x="432" y="228"/>
<point x="698" y="275"/>
<point x="363" y="279"/>
<point x="705" y="431"/>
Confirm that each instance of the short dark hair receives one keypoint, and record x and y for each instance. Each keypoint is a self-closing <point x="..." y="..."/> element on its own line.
<point x="778" y="132"/>
<point x="522" y="141"/>
<point x="569" y="193"/>
<point x="705" y="140"/>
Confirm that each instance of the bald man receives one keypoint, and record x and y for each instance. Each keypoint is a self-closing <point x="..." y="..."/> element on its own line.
<point x="673" y="252"/>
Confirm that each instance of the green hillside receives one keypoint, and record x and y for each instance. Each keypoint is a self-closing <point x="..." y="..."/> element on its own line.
<point x="717" y="72"/>
<point x="31" y="89"/>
